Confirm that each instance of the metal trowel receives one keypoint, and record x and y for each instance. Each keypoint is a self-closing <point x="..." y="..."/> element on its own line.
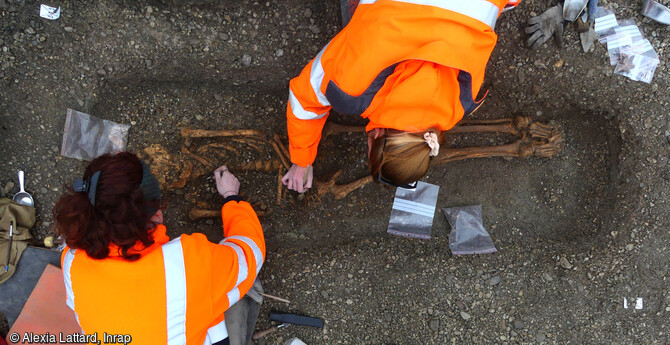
<point x="573" y="8"/>
<point x="587" y="38"/>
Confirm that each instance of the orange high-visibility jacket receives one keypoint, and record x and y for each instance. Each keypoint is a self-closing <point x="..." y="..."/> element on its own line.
<point x="178" y="290"/>
<point x="403" y="64"/>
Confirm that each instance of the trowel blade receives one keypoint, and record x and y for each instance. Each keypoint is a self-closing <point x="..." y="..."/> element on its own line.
<point x="587" y="38"/>
<point x="573" y="8"/>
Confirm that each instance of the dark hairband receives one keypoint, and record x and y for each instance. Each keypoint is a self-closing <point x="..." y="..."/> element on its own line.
<point x="149" y="186"/>
<point x="89" y="186"/>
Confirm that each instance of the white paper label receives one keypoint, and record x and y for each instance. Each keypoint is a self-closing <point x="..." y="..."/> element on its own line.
<point x="49" y="12"/>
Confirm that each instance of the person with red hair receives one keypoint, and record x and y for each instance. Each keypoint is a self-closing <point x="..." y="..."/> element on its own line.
<point x="122" y="273"/>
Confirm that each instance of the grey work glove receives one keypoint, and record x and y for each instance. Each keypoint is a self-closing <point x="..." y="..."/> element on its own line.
<point x="541" y="28"/>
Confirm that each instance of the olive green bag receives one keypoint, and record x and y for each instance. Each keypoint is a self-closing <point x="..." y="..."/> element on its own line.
<point x="23" y="218"/>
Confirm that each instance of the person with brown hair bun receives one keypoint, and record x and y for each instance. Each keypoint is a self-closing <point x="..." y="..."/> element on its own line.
<point x="412" y="68"/>
<point x="124" y="276"/>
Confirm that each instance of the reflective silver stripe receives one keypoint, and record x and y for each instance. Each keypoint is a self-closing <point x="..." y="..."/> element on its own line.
<point x="414" y="207"/>
<point x="175" y="292"/>
<point x="480" y="10"/>
<point x="233" y="296"/>
<point x="243" y="269"/>
<point x="299" y="111"/>
<point x="258" y="255"/>
<point x="316" y="78"/>
<point x="216" y="333"/>
<point x="67" y="277"/>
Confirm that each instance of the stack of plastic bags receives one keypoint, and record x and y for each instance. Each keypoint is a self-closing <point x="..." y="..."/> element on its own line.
<point x="632" y="54"/>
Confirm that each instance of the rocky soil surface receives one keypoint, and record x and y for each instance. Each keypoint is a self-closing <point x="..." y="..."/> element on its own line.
<point x="575" y="234"/>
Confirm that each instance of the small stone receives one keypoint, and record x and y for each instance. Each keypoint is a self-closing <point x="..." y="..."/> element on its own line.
<point x="629" y="247"/>
<point x="565" y="263"/>
<point x="324" y="294"/>
<point x="547" y="276"/>
<point x="30" y="31"/>
<point x="494" y="281"/>
<point x="521" y="75"/>
<point x="46" y="224"/>
<point x="8" y="187"/>
<point x="559" y="64"/>
<point x="648" y="123"/>
<point x="43" y="190"/>
<point x="434" y="324"/>
<point x="101" y="71"/>
<point x="209" y="222"/>
<point x="518" y="324"/>
<point x="460" y="304"/>
<point x="315" y="29"/>
<point x="180" y="191"/>
<point x="307" y="13"/>
<point x="55" y="148"/>
<point x="279" y="52"/>
<point x="449" y="278"/>
<point x="223" y="36"/>
<point x="350" y="302"/>
<point x="68" y="29"/>
<point x="540" y="337"/>
<point x="218" y="97"/>
<point x="465" y="316"/>
<point x="149" y="63"/>
<point x="246" y="60"/>
<point x="3" y="4"/>
<point x="80" y="102"/>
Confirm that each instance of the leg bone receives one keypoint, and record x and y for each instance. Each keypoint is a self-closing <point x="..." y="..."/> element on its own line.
<point x="340" y="191"/>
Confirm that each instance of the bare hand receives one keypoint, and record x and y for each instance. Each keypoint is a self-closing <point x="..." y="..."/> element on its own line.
<point x="226" y="183"/>
<point x="298" y="178"/>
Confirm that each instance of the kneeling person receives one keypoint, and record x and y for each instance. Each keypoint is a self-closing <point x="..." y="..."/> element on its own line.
<point x="122" y="273"/>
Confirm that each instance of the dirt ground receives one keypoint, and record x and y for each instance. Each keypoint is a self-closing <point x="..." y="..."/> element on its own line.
<point x="576" y="234"/>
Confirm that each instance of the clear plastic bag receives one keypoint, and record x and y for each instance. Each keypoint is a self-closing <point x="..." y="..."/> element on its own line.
<point x="413" y="211"/>
<point x="638" y="61"/>
<point x="87" y="137"/>
<point x="468" y="235"/>
<point x="605" y="21"/>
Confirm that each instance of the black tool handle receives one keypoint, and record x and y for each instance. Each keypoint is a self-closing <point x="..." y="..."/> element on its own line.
<point x="296" y="319"/>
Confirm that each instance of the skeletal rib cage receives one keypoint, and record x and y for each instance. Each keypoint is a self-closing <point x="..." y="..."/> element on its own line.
<point x="269" y="154"/>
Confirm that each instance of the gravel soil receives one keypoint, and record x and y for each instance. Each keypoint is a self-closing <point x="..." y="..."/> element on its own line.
<point x="575" y="234"/>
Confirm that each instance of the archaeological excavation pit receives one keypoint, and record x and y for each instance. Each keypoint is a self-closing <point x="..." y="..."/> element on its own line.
<point x="570" y="198"/>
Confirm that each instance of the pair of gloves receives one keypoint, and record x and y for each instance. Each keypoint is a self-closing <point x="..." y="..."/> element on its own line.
<point x="541" y="28"/>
